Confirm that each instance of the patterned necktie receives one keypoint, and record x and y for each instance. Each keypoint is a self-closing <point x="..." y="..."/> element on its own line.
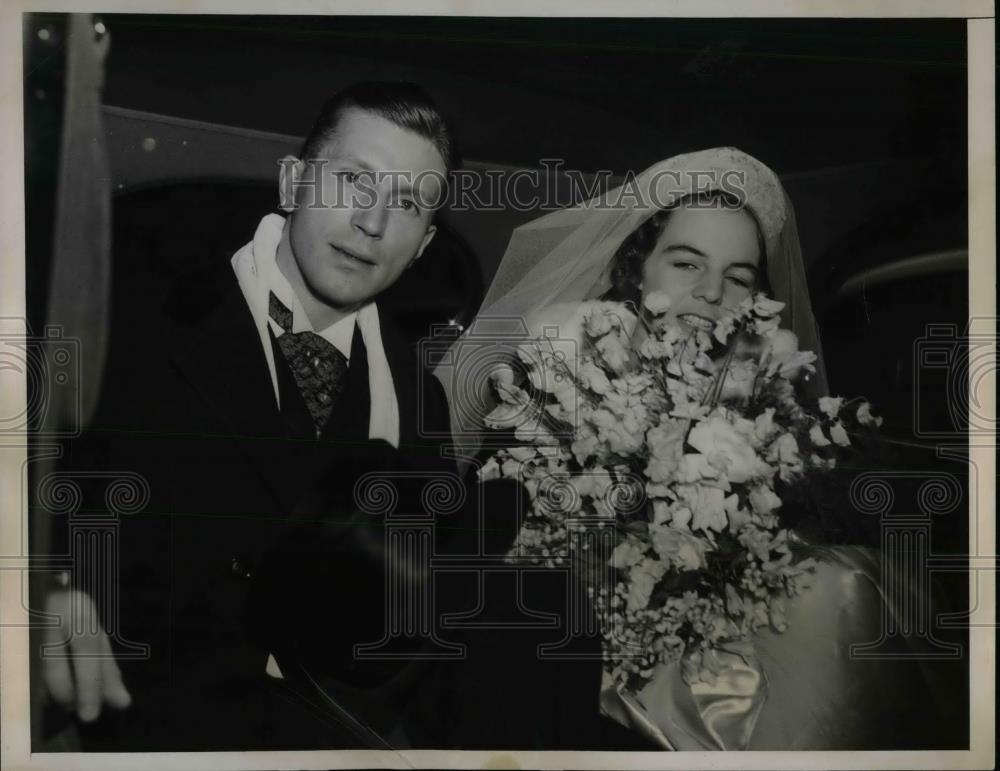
<point x="319" y="369"/>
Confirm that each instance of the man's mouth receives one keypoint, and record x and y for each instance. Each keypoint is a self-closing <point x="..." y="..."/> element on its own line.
<point x="353" y="256"/>
<point x="698" y="322"/>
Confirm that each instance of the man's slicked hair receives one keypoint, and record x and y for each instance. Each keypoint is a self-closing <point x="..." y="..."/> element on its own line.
<point x="403" y="104"/>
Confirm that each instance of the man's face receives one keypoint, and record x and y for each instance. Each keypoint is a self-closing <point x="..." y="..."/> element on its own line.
<point x="355" y="230"/>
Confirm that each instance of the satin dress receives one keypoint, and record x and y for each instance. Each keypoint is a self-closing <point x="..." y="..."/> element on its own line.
<point x="802" y="689"/>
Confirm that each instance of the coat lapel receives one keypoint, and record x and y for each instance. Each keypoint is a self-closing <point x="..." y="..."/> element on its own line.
<point x="223" y="361"/>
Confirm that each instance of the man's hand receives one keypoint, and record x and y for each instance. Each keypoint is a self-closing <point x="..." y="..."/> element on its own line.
<point x="81" y="673"/>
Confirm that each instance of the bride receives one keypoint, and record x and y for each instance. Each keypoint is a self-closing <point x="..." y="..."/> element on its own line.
<point x="706" y="230"/>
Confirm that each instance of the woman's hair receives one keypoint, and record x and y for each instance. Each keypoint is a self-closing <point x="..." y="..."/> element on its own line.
<point x="628" y="262"/>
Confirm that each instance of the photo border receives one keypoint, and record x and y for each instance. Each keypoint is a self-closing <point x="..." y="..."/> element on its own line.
<point x="14" y="647"/>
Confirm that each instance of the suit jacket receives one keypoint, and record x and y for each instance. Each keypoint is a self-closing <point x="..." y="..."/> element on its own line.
<point x="251" y="545"/>
<point x="243" y="499"/>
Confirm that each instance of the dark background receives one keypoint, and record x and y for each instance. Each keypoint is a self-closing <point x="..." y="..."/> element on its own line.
<point x="618" y="94"/>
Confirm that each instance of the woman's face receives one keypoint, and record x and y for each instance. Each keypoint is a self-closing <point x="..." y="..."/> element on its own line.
<point x="707" y="261"/>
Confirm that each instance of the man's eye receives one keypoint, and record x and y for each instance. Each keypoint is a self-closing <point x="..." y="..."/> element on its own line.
<point x="349" y="177"/>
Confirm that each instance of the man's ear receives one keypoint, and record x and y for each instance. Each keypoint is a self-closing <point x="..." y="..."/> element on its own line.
<point x="288" y="177"/>
<point x="431" y="230"/>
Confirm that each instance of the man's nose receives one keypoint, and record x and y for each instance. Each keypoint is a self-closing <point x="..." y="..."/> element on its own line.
<point x="709" y="288"/>
<point x="371" y="219"/>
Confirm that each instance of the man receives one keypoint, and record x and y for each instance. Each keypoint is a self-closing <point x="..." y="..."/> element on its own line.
<point x="258" y="399"/>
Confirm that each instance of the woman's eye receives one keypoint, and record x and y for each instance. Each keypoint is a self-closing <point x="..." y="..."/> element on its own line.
<point x="740" y="282"/>
<point x="685" y="265"/>
<point x="407" y="205"/>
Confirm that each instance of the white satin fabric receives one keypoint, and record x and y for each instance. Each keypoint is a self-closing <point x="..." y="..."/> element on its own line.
<point x="797" y="690"/>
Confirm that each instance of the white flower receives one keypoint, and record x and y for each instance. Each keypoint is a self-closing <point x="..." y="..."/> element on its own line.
<point x="510" y="468"/>
<point x="763" y="500"/>
<point x="679" y="548"/>
<point x="598" y="322"/>
<point x="767" y="327"/>
<point x="757" y="543"/>
<point x="584" y="445"/>
<point x="652" y="348"/>
<point x="694" y="467"/>
<point x="642" y="580"/>
<point x="489" y="470"/>
<point x="661" y="469"/>
<point x="613" y="351"/>
<point x="786" y="452"/>
<point x="522" y="453"/>
<point x="657" y="302"/>
<point x="830" y="405"/>
<point x="707" y="507"/>
<point x="612" y="432"/>
<point x="763" y="426"/>
<point x="724" y="327"/>
<point x="691" y="410"/>
<point x="718" y="435"/>
<point x="820" y="463"/>
<point x="658" y="490"/>
<point x="592" y="484"/>
<point x="533" y="431"/>
<point x="681" y="517"/>
<point x="865" y="417"/>
<point x="791" y="365"/>
<point x="666" y="444"/>
<point x="593" y="377"/>
<point x="817" y="436"/>
<point x="839" y="435"/>
<point x="627" y="553"/>
<point x="764" y="306"/>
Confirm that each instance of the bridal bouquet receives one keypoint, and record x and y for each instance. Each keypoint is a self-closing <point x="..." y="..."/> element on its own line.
<point x="684" y="441"/>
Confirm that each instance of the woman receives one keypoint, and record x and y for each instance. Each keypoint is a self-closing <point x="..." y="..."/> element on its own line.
<point x="707" y="230"/>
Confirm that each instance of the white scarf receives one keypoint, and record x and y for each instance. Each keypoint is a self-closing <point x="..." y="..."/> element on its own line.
<point x="253" y="265"/>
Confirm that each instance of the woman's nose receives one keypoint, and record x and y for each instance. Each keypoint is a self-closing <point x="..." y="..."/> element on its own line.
<point x="709" y="288"/>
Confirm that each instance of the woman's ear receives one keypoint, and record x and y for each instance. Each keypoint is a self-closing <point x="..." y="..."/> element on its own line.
<point x="288" y="178"/>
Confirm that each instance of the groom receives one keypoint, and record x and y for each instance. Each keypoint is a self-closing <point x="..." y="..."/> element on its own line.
<point x="259" y="397"/>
